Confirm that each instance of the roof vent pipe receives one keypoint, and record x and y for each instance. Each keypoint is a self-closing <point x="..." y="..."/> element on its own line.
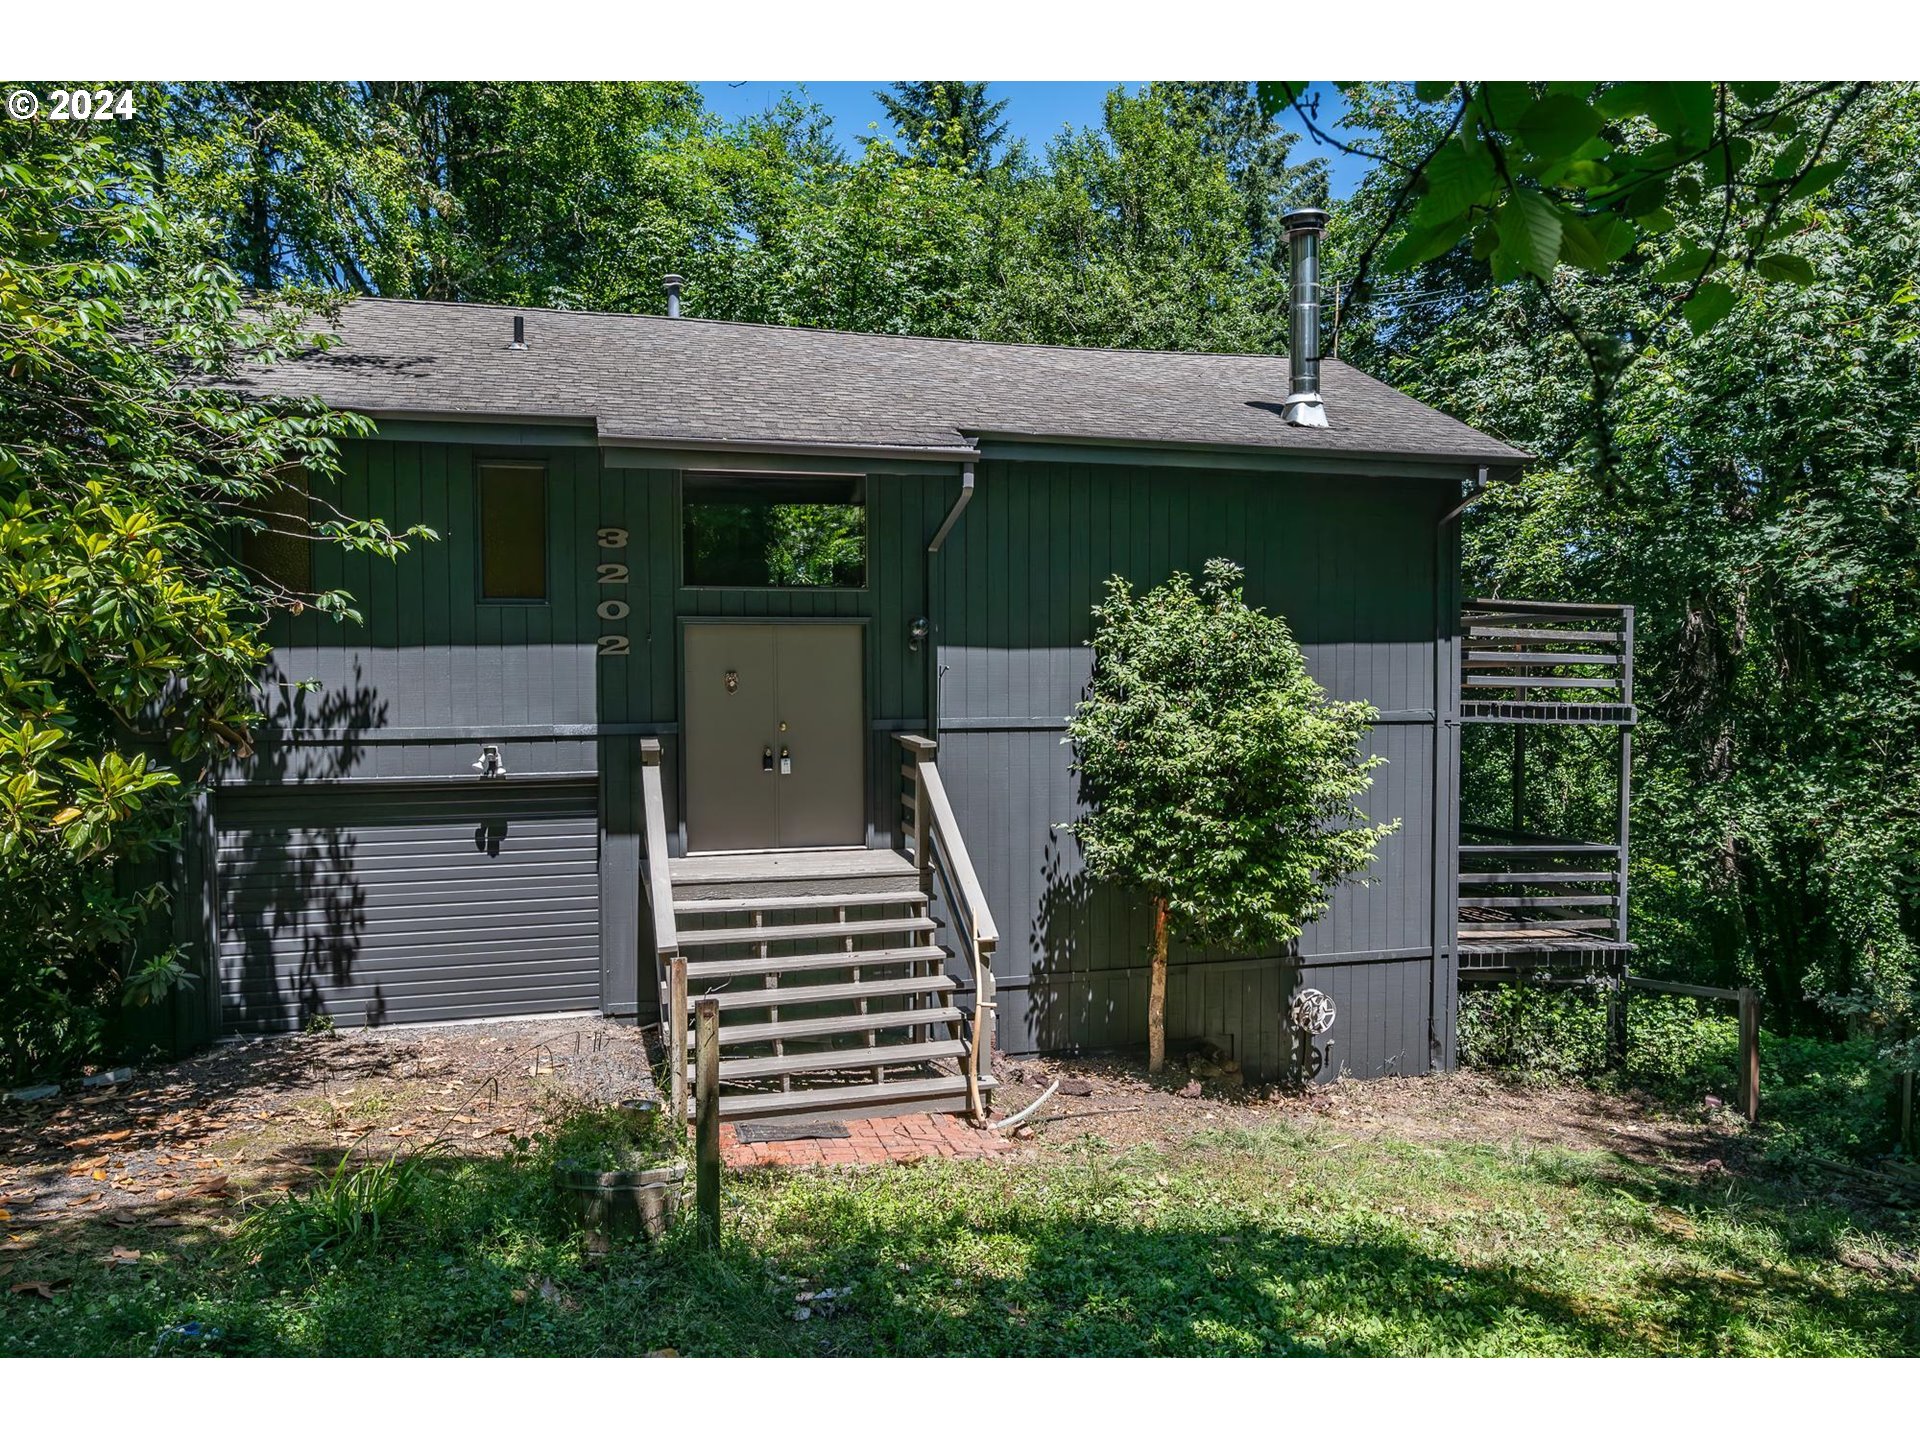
<point x="672" y="282"/>
<point x="519" y="333"/>
<point x="1303" y="406"/>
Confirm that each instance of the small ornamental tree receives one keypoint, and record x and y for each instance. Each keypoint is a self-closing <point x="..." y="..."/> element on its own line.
<point x="1219" y="779"/>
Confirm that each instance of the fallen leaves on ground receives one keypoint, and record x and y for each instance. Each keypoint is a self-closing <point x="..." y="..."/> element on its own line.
<point x="110" y="1138"/>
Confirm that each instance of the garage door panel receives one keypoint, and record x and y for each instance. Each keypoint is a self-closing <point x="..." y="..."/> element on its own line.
<point x="294" y="941"/>
<point x="407" y="905"/>
<point x="450" y="836"/>
<point x="422" y="879"/>
<point x="374" y="1006"/>
<point x="551" y="960"/>
<point x="455" y="894"/>
<point x="430" y="984"/>
<point x="270" y="852"/>
<point x="427" y="916"/>
<point x="459" y="926"/>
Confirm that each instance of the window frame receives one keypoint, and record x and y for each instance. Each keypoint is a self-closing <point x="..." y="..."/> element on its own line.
<point x="858" y="477"/>
<point x="293" y="479"/>
<point x="481" y="464"/>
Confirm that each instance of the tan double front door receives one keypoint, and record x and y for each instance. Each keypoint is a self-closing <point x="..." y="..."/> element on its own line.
<point x="775" y="736"/>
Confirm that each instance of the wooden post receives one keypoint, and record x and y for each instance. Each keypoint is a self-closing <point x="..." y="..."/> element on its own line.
<point x="1909" y="1141"/>
<point x="1749" y="1053"/>
<point x="1617" y="1026"/>
<point x="706" y="1099"/>
<point x="677" y="1037"/>
<point x="1518" y="779"/>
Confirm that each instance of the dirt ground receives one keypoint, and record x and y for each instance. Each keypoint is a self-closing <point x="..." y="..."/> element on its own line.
<point x="1118" y="1102"/>
<point x="180" y="1144"/>
<point x="260" y="1114"/>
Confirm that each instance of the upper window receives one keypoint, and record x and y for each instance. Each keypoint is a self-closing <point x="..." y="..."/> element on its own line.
<point x="281" y="551"/>
<point x="513" y="531"/>
<point x="774" y="532"/>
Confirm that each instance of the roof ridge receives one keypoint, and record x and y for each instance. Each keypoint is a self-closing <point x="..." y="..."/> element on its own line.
<point x="829" y="330"/>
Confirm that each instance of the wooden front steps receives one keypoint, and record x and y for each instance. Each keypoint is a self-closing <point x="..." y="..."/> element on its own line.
<point x="833" y="986"/>
<point x="837" y="1025"/>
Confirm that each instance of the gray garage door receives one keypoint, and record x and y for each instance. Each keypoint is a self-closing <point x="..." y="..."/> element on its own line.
<point x="385" y="906"/>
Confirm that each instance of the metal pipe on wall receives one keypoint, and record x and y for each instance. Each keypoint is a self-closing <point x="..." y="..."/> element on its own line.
<point x="933" y="611"/>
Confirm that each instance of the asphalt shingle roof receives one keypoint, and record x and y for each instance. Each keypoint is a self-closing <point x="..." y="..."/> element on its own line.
<point x="647" y="378"/>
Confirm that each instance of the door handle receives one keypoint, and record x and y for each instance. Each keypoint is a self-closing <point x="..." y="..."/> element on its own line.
<point x="766" y="758"/>
<point x="786" y="761"/>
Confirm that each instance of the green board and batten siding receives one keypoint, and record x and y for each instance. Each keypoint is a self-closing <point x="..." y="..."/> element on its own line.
<point x="432" y="673"/>
<point x="1352" y="563"/>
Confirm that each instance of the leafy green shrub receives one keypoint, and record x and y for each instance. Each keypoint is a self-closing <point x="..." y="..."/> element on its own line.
<point x="613" y="1139"/>
<point x="130" y="639"/>
<point x="1825" y="1097"/>
<point x="1818" y="1097"/>
<point x="1533" y="1034"/>
<point x="1675" y="1046"/>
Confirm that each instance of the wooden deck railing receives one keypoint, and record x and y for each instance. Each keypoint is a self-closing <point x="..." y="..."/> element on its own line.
<point x="669" y="977"/>
<point x="1540" y="895"/>
<point x="1547" y="660"/>
<point x="934" y="843"/>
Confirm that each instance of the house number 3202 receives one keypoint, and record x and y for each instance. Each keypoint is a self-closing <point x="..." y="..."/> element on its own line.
<point x="613" y="609"/>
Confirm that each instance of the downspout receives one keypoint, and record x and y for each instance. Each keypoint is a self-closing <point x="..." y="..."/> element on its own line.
<point x="965" y="497"/>
<point x="1473" y="495"/>
<point x="935" y="613"/>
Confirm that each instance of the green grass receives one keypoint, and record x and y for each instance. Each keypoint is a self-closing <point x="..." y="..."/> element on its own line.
<point x="1818" y="1097"/>
<point x="1287" y="1240"/>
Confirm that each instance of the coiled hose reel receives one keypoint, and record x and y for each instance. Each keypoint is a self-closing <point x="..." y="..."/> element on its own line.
<point x="1312" y="1013"/>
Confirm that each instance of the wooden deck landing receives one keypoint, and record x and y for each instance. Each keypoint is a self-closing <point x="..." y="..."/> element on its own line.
<point x="790" y="864"/>
<point x="778" y="865"/>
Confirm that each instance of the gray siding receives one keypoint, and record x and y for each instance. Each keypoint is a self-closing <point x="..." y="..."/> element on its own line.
<point x="1351" y="563"/>
<point x="431" y="672"/>
<point x="1351" y="566"/>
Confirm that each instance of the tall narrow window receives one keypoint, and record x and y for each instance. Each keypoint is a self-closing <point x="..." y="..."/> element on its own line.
<point x="782" y="532"/>
<point x="513" y="532"/>
<point x="280" y="552"/>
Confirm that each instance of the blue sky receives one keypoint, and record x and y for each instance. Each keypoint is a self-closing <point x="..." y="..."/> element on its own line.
<point x="1036" y="110"/>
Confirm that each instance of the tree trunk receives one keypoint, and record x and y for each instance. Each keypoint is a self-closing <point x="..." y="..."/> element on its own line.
<point x="1157" y="993"/>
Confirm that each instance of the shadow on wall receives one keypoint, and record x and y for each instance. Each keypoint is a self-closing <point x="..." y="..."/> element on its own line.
<point x="1090" y="947"/>
<point x="279" y="878"/>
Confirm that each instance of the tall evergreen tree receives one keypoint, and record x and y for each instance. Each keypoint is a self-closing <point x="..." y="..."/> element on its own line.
<point x="1256" y="150"/>
<point x="947" y="119"/>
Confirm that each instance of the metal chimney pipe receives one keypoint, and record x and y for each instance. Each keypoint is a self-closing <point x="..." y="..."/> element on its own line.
<point x="1303" y="406"/>
<point x="672" y="282"/>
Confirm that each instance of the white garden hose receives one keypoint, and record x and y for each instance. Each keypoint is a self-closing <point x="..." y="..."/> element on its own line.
<point x="1016" y="1119"/>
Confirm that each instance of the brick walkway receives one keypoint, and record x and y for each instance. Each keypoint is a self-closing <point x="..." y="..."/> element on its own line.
<point x="899" y="1140"/>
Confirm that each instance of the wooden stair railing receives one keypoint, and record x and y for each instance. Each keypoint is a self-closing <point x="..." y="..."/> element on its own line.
<point x="669" y="978"/>
<point x="1526" y="894"/>
<point x="934" y="843"/>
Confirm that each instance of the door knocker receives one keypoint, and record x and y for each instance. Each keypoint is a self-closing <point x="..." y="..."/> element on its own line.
<point x="733" y="681"/>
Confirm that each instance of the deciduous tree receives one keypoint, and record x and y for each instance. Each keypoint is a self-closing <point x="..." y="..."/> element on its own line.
<point x="1220" y="781"/>
<point x="130" y="631"/>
